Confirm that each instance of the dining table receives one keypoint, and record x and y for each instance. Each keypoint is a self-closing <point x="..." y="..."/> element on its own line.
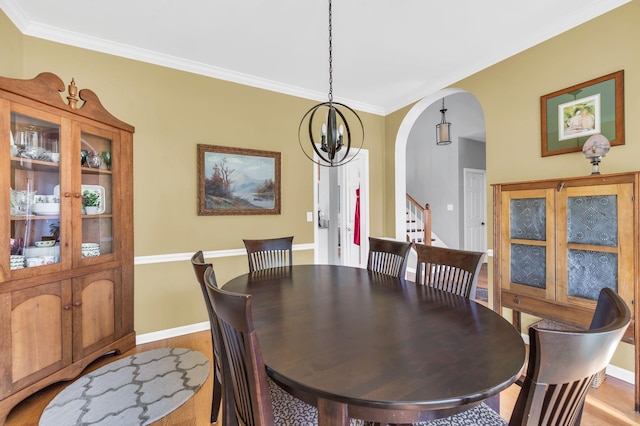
<point x="360" y="344"/>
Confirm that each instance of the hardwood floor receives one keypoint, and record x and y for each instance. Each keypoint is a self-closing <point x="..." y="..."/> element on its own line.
<point x="611" y="404"/>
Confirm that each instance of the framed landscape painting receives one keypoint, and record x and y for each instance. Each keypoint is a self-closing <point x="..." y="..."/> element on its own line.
<point x="237" y="181"/>
<point x="569" y="116"/>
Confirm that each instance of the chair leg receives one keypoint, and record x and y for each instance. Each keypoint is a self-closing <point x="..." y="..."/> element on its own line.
<point x="494" y="402"/>
<point x="216" y="399"/>
<point x="229" y="408"/>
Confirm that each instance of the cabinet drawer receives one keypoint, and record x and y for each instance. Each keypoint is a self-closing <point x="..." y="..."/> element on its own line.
<point x="571" y="315"/>
<point x="567" y="314"/>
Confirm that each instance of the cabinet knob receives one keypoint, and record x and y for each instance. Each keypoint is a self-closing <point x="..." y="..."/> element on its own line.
<point x="66" y="307"/>
<point x="67" y="194"/>
<point x="77" y="304"/>
<point x="516" y="300"/>
<point x="77" y="195"/>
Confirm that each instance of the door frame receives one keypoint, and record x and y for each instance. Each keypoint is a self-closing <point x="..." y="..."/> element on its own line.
<point x="364" y="205"/>
<point x="400" y="155"/>
<point x="465" y="172"/>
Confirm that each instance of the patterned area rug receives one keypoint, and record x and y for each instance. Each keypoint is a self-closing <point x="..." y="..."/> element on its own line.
<point x="136" y="390"/>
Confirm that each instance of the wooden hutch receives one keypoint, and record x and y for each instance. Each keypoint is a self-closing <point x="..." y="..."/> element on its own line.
<point x="66" y="270"/>
<point x="557" y="242"/>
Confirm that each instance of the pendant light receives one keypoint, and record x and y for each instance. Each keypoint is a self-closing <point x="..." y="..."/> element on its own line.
<point x="330" y="139"/>
<point x="443" y="129"/>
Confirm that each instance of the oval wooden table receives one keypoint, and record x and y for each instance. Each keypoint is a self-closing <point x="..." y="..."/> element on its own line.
<point x="360" y="344"/>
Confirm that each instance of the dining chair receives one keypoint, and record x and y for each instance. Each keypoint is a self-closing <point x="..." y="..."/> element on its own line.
<point x="562" y="365"/>
<point x="259" y="401"/>
<point x="269" y="253"/>
<point x="455" y="271"/>
<point x="388" y="256"/>
<point x="200" y="268"/>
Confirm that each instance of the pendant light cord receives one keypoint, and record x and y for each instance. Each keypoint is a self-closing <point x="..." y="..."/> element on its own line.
<point x="330" y="57"/>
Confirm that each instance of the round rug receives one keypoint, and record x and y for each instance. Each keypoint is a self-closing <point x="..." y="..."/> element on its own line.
<point x="135" y="390"/>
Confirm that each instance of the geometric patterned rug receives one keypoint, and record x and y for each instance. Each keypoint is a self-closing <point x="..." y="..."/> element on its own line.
<point x="135" y="390"/>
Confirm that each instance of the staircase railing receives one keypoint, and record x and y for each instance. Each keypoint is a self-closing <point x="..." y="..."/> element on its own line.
<point x="418" y="222"/>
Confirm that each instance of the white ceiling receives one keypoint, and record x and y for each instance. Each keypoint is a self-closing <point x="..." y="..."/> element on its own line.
<point x="386" y="54"/>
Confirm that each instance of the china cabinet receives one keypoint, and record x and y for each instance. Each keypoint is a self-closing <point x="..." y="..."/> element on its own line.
<point x="558" y="242"/>
<point x="66" y="267"/>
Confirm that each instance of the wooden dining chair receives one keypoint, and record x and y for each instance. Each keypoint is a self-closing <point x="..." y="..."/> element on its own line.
<point x="259" y="401"/>
<point x="200" y="268"/>
<point x="455" y="271"/>
<point x="562" y="365"/>
<point x="269" y="253"/>
<point x="388" y="256"/>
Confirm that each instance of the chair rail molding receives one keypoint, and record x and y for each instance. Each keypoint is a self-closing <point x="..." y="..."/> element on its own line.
<point x="180" y="257"/>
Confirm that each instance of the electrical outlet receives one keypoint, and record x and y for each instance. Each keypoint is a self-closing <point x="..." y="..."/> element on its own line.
<point x="450" y="207"/>
<point x="309" y="216"/>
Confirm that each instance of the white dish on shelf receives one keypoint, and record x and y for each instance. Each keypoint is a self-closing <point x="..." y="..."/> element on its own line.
<point x="94" y="188"/>
<point x="45" y="208"/>
<point x="48" y="243"/>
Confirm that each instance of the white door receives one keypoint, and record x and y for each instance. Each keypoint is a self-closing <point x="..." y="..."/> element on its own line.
<point x="336" y="202"/>
<point x="354" y="198"/>
<point x="475" y="210"/>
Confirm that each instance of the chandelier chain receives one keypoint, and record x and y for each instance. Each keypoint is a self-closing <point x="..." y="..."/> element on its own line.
<point x="324" y="128"/>
<point x="330" y="56"/>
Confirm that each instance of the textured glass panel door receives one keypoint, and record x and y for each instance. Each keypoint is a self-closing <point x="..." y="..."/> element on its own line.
<point x="528" y="218"/>
<point x="529" y="252"/>
<point x="591" y="271"/>
<point x="593" y="220"/>
<point x="528" y="265"/>
<point x="596" y="249"/>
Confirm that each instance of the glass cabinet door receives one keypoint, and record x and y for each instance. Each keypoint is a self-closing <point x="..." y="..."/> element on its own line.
<point x="97" y="191"/>
<point x="34" y="209"/>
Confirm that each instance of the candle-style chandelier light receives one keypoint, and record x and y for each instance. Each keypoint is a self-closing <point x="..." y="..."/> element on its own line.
<point x="331" y="138"/>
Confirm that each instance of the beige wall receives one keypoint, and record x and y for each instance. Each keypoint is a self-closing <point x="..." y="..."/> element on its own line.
<point x="509" y="93"/>
<point x="172" y="112"/>
<point x="10" y="48"/>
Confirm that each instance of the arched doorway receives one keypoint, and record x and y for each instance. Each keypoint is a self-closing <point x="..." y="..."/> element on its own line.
<point x="435" y="174"/>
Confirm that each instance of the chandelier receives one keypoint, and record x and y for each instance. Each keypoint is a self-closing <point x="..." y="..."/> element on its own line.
<point x="329" y="139"/>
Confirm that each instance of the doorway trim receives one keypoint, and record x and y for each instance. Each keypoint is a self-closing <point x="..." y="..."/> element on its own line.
<point x="401" y="154"/>
<point x="364" y="206"/>
<point x="467" y="205"/>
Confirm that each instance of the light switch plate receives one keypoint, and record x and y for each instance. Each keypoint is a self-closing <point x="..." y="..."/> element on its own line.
<point x="309" y="217"/>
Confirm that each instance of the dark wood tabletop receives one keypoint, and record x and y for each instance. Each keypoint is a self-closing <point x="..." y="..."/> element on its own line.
<point x="364" y="345"/>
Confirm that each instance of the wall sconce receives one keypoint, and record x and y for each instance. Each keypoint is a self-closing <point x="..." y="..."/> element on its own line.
<point x="443" y="129"/>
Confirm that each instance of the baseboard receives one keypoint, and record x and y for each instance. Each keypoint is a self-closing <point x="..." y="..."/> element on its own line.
<point x="171" y="332"/>
<point x="612" y="370"/>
